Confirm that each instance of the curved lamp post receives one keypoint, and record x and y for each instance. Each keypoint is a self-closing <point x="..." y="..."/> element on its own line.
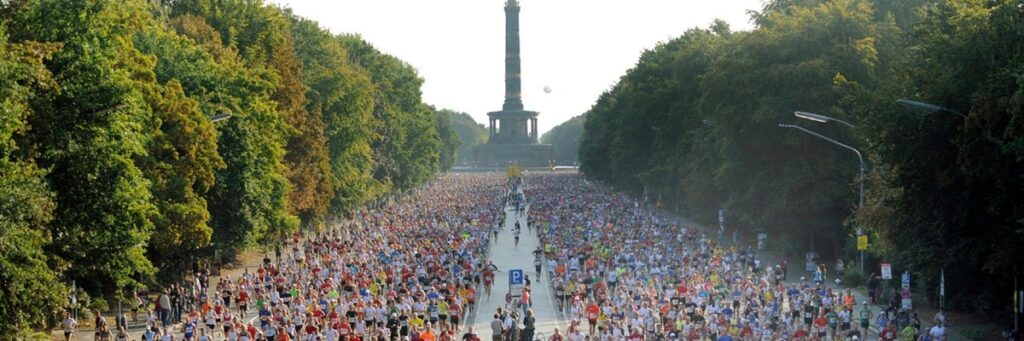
<point x="820" y="118"/>
<point x="859" y="158"/>
<point x="928" y="107"/>
<point x="220" y="117"/>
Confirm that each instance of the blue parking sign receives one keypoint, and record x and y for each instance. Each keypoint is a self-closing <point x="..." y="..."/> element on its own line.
<point x="516" y="277"/>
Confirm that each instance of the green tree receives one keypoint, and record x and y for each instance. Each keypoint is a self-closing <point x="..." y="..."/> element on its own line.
<point x="262" y="37"/>
<point x="180" y="166"/>
<point x="648" y="133"/>
<point x="470" y="134"/>
<point x="565" y="137"/>
<point x="88" y="134"/>
<point x="34" y="293"/>
<point x="950" y="185"/>
<point x="343" y="95"/>
<point x="783" y="180"/>
<point x="409" y="152"/>
<point x="449" y="138"/>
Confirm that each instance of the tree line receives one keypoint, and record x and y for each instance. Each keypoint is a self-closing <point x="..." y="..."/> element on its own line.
<point x="565" y="137"/>
<point x="696" y="123"/>
<point x="114" y="176"/>
<point x="470" y="134"/>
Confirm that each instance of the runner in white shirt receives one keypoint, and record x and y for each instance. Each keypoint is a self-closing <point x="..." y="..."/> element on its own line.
<point x="211" y="319"/>
<point x="938" y="333"/>
<point x="69" y="325"/>
<point x="331" y="334"/>
<point x="167" y="335"/>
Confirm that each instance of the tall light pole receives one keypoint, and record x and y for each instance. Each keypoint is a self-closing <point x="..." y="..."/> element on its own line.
<point x="937" y="108"/>
<point x="826" y="119"/>
<point x="820" y="118"/>
<point x="928" y="107"/>
<point x="860" y="158"/>
<point x="220" y="117"/>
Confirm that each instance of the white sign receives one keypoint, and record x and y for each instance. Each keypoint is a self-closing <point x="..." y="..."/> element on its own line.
<point x="886" y="271"/>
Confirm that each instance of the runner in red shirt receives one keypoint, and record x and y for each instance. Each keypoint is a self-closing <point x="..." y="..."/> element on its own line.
<point x="593" y="311"/>
<point x="488" y="280"/>
<point x="887" y="334"/>
<point x="821" y="324"/>
<point x="801" y="334"/>
<point x="556" y="336"/>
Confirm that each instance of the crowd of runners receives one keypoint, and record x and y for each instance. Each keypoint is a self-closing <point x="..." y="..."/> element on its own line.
<point x="411" y="270"/>
<point x="408" y="270"/>
<point x="620" y="271"/>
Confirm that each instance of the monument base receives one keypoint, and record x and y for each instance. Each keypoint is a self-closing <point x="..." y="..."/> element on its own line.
<point x="500" y="155"/>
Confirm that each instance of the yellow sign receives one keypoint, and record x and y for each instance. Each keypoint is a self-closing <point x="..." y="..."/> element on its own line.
<point x="514" y="170"/>
<point x="862" y="243"/>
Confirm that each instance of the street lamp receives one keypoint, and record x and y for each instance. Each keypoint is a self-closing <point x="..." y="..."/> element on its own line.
<point x="860" y="202"/>
<point x="825" y="119"/>
<point x="106" y="110"/>
<point x="220" y="117"/>
<point x="819" y="118"/>
<point x="928" y="107"/>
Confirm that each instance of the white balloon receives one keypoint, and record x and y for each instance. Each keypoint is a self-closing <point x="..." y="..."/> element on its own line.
<point x="547" y="89"/>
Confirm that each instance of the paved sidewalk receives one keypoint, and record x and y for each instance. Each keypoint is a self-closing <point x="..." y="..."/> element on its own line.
<point x="506" y="256"/>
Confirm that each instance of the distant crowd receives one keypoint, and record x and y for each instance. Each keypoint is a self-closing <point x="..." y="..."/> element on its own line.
<point x="411" y="268"/>
<point x="621" y="271"/>
<point x="408" y="270"/>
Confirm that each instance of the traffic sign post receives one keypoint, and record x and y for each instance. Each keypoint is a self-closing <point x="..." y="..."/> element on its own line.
<point x="905" y="284"/>
<point x="886" y="271"/>
<point x="862" y="244"/>
<point x="516" y="282"/>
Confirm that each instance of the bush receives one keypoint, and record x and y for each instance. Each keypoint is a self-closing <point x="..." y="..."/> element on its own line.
<point x="98" y="304"/>
<point x="854" y="278"/>
<point x="971" y="333"/>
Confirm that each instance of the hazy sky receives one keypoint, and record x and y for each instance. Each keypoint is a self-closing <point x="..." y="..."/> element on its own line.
<point x="577" y="47"/>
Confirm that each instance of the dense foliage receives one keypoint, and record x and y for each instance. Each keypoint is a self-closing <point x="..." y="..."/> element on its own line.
<point x="113" y="175"/>
<point x="696" y="123"/>
<point x="565" y="137"/>
<point x="470" y="134"/>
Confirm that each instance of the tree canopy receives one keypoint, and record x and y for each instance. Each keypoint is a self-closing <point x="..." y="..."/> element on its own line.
<point x="565" y="137"/>
<point x="470" y="134"/>
<point x="696" y="123"/>
<point x="114" y="176"/>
